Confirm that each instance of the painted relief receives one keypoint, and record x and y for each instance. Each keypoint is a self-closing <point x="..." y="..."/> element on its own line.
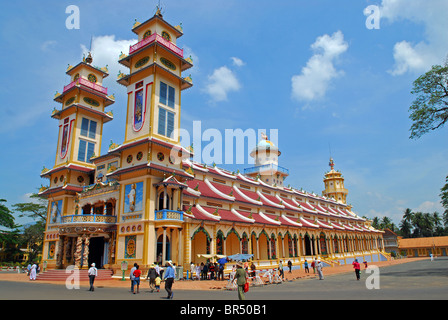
<point x="56" y="209"/>
<point x="130" y="245"/>
<point x="133" y="197"/>
<point x="65" y="141"/>
<point x="138" y="110"/>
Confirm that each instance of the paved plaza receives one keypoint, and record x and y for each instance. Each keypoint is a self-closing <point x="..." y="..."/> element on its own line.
<point x="416" y="280"/>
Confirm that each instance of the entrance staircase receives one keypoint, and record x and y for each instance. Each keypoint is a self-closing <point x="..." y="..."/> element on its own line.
<point x="62" y="275"/>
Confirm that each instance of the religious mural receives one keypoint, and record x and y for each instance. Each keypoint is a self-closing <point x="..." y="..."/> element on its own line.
<point x="133" y="197"/>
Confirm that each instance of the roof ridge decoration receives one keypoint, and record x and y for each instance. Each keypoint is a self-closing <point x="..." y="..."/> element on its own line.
<point x="206" y="213"/>
<point x="269" y="201"/>
<point x="212" y="187"/>
<point x="239" y="215"/>
<point x="269" y="219"/>
<point x="290" y="221"/>
<point x="246" y="197"/>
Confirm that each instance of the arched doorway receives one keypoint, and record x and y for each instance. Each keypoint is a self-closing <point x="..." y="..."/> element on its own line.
<point x="200" y="244"/>
<point x="307" y="245"/>
<point x="160" y="249"/>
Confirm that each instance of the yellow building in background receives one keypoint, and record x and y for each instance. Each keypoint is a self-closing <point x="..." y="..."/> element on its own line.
<point x="147" y="201"/>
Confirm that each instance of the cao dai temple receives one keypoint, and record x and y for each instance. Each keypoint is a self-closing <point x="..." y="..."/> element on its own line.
<point x="147" y="201"/>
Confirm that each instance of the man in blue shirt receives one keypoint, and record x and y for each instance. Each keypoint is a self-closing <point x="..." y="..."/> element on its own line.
<point x="169" y="279"/>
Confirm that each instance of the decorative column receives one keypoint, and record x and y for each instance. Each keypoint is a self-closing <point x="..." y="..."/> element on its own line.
<point x="179" y="247"/>
<point x="85" y="258"/>
<point x="78" y="252"/>
<point x="164" y="245"/>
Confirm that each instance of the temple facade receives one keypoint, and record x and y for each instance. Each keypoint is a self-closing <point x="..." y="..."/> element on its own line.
<point x="147" y="201"/>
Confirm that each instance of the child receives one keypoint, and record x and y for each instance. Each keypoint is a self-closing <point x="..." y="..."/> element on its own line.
<point x="158" y="280"/>
<point x="137" y="273"/>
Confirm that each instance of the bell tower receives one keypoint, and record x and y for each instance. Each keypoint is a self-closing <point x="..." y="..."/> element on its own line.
<point x="334" y="185"/>
<point x="266" y="167"/>
<point x="155" y="81"/>
<point x="82" y="115"/>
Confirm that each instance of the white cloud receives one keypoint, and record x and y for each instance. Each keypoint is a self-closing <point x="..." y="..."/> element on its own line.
<point x="433" y="48"/>
<point x="316" y="76"/>
<point x="106" y="51"/>
<point x="237" y="62"/>
<point x="221" y="82"/>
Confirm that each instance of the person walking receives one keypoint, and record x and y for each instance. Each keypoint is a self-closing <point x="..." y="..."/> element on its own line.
<point x="241" y="279"/>
<point x="137" y="273"/>
<point x="280" y="269"/>
<point x="93" y="272"/>
<point x="319" y="267"/>
<point x="307" y="269"/>
<point x="33" y="272"/>
<point x="169" y="279"/>
<point x="131" y="276"/>
<point x="357" y="269"/>
<point x="290" y="266"/>
<point x="313" y="265"/>
<point x="152" y="277"/>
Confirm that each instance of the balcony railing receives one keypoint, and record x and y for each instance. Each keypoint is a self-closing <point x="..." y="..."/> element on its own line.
<point x="158" y="38"/>
<point x="266" y="167"/>
<point x="86" y="83"/>
<point x="166" y="214"/>
<point x="88" y="218"/>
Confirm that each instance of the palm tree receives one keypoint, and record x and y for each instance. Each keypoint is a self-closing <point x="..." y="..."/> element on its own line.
<point x="408" y="215"/>
<point x="405" y="228"/>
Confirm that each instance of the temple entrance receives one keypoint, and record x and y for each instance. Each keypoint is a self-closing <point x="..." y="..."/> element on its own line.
<point x="160" y="249"/>
<point x="307" y="245"/>
<point x="96" y="251"/>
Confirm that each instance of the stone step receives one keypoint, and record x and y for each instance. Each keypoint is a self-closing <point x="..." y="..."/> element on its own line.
<point x="62" y="275"/>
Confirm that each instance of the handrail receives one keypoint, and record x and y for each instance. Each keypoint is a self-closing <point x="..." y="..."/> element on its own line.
<point x="88" y="218"/>
<point x="166" y="214"/>
<point x="86" y="83"/>
<point x="158" y="38"/>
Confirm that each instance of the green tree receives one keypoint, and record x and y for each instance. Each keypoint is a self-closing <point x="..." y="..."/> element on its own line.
<point x="9" y="237"/>
<point x="35" y="209"/>
<point x="429" y="110"/>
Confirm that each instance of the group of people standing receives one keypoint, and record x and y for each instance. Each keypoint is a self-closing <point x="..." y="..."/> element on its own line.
<point x="207" y="271"/>
<point x="155" y="275"/>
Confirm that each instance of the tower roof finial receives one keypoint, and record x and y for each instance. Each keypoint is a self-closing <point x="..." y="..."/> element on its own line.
<point x="331" y="164"/>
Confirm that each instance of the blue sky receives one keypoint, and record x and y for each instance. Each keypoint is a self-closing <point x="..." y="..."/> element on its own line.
<point x="311" y="69"/>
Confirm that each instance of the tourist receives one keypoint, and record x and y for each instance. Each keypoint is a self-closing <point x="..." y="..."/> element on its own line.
<point x="192" y="270"/>
<point x="169" y="279"/>
<point x="241" y="277"/>
<point x="253" y="269"/>
<point x="307" y="270"/>
<point x="212" y="270"/>
<point x="290" y="266"/>
<point x="319" y="267"/>
<point x="280" y="269"/>
<point x="152" y="277"/>
<point x="221" y="271"/>
<point x="357" y="268"/>
<point x="157" y="281"/>
<point x="136" y="275"/>
<point x="198" y="272"/>
<point x="205" y="272"/>
<point x="365" y="264"/>
<point x="313" y="265"/>
<point x="33" y="272"/>
<point x="131" y="276"/>
<point x="93" y="272"/>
